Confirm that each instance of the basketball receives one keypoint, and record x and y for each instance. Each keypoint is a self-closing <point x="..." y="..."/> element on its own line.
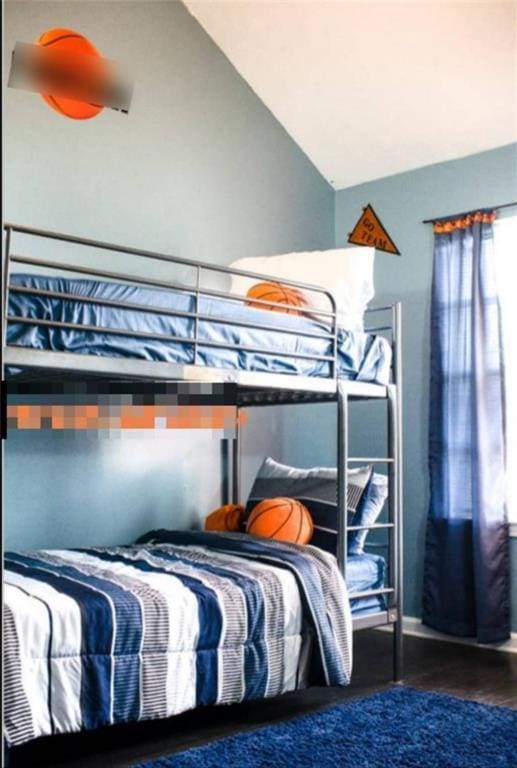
<point x="282" y="519"/>
<point x="227" y="518"/>
<point x="283" y="294"/>
<point x="69" y="42"/>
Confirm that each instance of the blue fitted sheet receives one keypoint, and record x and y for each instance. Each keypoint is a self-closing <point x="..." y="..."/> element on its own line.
<point x="361" y="356"/>
<point x="363" y="572"/>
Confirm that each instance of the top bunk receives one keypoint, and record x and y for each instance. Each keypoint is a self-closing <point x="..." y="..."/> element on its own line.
<point x="64" y="317"/>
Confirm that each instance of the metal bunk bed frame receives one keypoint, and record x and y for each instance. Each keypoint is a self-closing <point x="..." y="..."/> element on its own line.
<point x="253" y="388"/>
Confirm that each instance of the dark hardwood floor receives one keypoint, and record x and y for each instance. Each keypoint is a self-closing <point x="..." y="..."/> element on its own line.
<point x="472" y="673"/>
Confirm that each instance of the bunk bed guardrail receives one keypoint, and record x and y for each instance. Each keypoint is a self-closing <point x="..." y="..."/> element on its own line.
<point x="328" y="332"/>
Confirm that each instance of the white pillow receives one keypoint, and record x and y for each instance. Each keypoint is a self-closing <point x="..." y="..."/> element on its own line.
<point x="347" y="273"/>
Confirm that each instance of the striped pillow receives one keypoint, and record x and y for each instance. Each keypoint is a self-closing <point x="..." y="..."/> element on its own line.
<point x="368" y="511"/>
<point x="316" y="488"/>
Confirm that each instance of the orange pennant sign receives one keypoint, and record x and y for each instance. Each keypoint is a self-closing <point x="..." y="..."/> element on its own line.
<point x="369" y="231"/>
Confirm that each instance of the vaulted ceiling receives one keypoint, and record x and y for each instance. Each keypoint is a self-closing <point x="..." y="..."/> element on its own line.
<point x="370" y="88"/>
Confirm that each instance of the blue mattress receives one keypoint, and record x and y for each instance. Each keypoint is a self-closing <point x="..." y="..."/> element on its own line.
<point x="364" y="572"/>
<point x="361" y="356"/>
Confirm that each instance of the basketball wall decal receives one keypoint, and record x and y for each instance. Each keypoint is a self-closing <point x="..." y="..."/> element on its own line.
<point x="281" y="518"/>
<point x="226" y="518"/>
<point x="68" y="41"/>
<point x="283" y="294"/>
<point x="71" y="75"/>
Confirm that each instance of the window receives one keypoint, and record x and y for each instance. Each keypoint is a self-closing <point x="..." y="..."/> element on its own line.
<point x="506" y="270"/>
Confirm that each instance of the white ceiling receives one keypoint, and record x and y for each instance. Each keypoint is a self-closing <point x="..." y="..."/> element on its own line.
<point x="368" y="89"/>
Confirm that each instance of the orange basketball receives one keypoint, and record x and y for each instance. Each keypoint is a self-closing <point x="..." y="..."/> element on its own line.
<point x="68" y="41"/>
<point x="227" y="518"/>
<point x="283" y="294"/>
<point x="282" y="519"/>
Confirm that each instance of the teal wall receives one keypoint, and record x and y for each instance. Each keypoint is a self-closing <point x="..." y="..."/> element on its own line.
<point x="402" y="201"/>
<point x="199" y="168"/>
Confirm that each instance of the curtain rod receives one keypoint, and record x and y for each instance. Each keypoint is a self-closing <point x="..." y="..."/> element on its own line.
<point x="457" y="215"/>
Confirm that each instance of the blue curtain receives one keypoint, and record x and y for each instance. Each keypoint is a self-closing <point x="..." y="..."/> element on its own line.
<point x="466" y="571"/>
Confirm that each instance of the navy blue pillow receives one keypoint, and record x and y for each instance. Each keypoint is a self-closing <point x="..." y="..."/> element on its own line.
<point x="316" y="488"/>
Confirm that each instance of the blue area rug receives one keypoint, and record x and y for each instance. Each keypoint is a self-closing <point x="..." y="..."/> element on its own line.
<point x="398" y="728"/>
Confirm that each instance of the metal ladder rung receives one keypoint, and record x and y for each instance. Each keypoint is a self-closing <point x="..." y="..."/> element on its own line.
<point x="371" y="460"/>
<point x="371" y="527"/>
<point x="371" y="593"/>
<point x="367" y="527"/>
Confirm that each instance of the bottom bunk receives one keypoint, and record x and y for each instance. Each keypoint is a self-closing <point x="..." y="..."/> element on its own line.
<point x="182" y="619"/>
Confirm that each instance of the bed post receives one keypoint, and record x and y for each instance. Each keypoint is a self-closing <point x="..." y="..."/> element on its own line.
<point x="395" y="492"/>
<point x="225" y="471"/>
<point x="342" y="474"/>
<point x="236" y="459"/>
<point x="230" y="465"/>
<point x="6" y="262"/>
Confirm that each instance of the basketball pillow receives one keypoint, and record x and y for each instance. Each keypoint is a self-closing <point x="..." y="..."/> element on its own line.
<point x="282" y="519"/>
<point x="67" y="41"/>
<point x="227" y="518"/>
<point x="283" y="294"/>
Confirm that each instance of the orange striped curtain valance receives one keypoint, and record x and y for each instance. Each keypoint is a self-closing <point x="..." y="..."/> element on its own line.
<point x="444" y="227"/>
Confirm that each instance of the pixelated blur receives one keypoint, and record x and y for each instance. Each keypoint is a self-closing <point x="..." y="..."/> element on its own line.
<point x="121" y="406"/>
<point x="89" y="79"/>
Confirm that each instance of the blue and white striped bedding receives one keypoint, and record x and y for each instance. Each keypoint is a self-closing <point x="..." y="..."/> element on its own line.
<point x="182" y="619"/>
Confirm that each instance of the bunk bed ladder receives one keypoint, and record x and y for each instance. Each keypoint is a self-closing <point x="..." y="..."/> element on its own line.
<point x="393" y="460"/>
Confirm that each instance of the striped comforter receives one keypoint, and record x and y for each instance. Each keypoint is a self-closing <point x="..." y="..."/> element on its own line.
<point x="181" y="619"/>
